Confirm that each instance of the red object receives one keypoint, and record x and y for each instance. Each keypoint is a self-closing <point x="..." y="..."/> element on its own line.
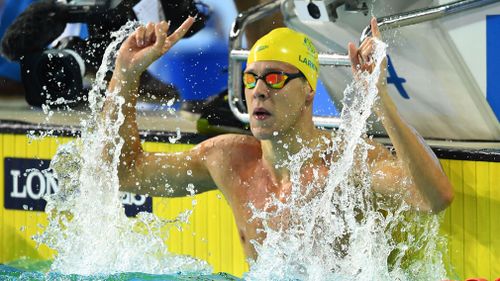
<point x="477" y="279"/>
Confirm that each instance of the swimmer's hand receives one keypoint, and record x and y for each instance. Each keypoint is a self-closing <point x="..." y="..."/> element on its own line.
<point x="362" y="57"/>
<point x="146" y="45"/>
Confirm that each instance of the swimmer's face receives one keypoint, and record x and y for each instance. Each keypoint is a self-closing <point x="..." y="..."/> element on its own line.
<point x="276" y="110"/>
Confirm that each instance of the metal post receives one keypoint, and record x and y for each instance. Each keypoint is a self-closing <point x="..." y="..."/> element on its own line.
<point x="423" y="15"/>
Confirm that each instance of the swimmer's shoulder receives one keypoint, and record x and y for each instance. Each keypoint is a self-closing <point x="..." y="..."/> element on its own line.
<point x="244" y="144"/>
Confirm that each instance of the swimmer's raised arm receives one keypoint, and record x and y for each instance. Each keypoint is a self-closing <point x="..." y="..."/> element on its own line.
<point x="168" y="174"/>
<point x="155" y="174"/>
<point x="415" y="173"/>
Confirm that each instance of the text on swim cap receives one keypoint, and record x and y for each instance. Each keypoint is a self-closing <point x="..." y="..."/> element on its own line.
<point x="308" y="62"/>
<point x="309" y="45"/>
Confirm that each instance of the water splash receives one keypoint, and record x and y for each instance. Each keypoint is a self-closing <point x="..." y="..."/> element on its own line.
<point x="346" y="232"/>
<point x="87" y="224"/>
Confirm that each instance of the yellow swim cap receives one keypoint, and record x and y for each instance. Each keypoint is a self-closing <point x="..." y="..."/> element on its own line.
<point x="286" y="45"/>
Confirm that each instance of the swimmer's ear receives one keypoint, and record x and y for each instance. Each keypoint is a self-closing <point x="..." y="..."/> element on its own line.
<point x="309" y="93"/>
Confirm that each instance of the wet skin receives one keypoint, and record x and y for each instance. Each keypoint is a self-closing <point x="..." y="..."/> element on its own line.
<point x="244" y="177"/>
<point x="244" y="168"/>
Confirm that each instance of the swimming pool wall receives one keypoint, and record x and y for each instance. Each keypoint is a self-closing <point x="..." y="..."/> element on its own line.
<point x="472" y="223"/>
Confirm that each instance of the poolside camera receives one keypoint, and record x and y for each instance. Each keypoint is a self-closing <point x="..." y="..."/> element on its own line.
<point x="54" y="75"/>
<point x="326" y="10"/>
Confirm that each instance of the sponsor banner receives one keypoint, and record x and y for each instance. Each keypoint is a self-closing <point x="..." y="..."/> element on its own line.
<point x="27" y="180"/>
<point x="135" y="203"/>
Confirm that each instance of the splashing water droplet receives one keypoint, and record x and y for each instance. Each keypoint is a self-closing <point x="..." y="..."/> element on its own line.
<point x="177" y="136"/>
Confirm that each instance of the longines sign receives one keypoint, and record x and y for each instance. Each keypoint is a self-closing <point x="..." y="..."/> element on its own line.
<point x="26" y="181"/>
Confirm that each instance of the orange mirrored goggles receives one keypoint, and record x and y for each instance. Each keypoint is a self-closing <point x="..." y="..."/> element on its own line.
<point x="274" y="80"/>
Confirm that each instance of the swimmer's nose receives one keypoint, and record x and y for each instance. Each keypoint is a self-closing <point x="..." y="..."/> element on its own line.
<point x="261" y="91"/>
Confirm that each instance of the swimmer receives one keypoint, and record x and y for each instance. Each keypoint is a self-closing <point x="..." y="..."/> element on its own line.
<point x="280" y="82"/>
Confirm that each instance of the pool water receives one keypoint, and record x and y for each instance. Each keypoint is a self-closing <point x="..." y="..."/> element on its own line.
<point x="38" y="270"/>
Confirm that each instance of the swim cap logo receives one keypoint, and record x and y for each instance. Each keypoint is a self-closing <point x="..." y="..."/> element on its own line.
<point x="263" y="47"/>
<point x="308" y="62"/>
<point x="309" y="45"/>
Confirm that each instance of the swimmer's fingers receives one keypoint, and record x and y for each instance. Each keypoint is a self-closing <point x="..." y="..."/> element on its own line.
<point x="366" y="51"/>
<point x="374" y="28"/>
<point x="160" y="31"/>
<point x="362" y="57"/>
<point x="149" y="35"/>
<point x="147" y="44"/>
<point x="139" y="35"/>
<point x="353" y="55"/>
<point x="367" y="46"/>
<point x="178" y="34"/>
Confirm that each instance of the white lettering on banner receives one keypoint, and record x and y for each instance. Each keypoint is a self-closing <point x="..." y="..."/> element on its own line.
<point x="140" y="201"/>
<point x="47" y="184"/>
<point x="33" y="184"/>
<point x="131" y="199"/>
<point x="15" y="185"/>
<point x="29" y="185"/>
<point x="52" y="186"/>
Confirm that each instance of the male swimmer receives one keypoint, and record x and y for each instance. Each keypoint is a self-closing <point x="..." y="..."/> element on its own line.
<point x="280" y="83"/>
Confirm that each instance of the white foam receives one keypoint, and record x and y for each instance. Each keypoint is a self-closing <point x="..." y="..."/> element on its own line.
<point x="87" y="223"/>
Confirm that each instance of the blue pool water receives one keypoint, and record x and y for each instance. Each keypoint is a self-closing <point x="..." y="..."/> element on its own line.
<point x="37" y="271"/>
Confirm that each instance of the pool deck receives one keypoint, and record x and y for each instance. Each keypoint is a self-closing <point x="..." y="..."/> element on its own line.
<point x="16" y="109"/>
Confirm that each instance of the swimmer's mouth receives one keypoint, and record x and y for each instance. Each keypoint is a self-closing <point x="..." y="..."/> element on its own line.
<point x="261" y="114"/>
